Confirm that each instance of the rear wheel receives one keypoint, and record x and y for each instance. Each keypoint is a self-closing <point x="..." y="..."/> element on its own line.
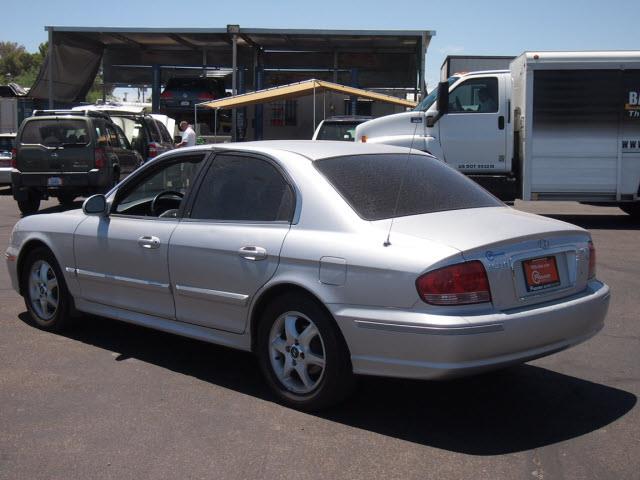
<point x="302" y="354"/>
<point x="632" y="209"/>
<point x="29" y="205"/>
<point x="45" y="292"/>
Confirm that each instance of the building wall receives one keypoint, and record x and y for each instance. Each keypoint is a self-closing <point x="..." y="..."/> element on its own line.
<point x="327" y="105"/>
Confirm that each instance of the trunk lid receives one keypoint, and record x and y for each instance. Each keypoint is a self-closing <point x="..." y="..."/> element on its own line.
<point x="529" y="259"/>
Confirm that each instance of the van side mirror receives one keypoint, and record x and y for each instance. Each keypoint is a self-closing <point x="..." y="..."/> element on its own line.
<point x="431" y="121"/>
<point x="443" y="98"/>
<point x="95" y="205"/>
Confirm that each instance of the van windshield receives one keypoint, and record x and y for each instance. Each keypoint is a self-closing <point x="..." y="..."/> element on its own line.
<point x="424" y="105"/>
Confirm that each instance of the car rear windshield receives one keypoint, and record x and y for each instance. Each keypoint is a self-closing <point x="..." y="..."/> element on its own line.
<point x="191" y="83"/>
<point x="396" y="185"/>
<point x="55" y="132"/>
<point x="344" y="131"/>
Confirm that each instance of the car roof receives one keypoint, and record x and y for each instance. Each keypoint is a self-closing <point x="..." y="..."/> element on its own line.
<point x="311" y="149"/>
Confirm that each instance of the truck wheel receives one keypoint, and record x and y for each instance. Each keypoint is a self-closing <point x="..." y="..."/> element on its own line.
<point x="66" y="199"/>
<point x="30" y="205"/>
<point x="632" y="209"/>
<point x="302" y="354"/>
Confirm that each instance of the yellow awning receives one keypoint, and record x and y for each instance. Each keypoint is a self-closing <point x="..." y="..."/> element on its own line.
<point x="301" y="89"/>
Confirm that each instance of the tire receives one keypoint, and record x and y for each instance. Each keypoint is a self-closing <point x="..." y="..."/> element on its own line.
<point x="45" y="292"/>
<point x="632" y="209"/>
<point x="321" y="355"/>
<point x="30" y="205"/>
<point x="66" y="199"/>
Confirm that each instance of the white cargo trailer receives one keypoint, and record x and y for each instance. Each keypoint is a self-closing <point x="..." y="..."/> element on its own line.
<point x="555" y="126"/>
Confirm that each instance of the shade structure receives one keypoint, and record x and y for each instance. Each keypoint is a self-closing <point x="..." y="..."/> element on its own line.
<point x="300" y="89"/>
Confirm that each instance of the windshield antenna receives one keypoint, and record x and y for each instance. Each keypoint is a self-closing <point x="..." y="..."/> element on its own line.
<point x="387" y="242"/>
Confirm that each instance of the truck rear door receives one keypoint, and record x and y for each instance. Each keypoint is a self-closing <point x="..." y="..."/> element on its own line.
<point x="473" y="133"/>
<point x="55" y="145"/>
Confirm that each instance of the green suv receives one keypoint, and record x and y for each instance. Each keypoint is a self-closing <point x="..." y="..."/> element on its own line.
<point x="66" y="154"/>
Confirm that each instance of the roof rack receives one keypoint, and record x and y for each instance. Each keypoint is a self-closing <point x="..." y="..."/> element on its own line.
<point x="83" y="113"/>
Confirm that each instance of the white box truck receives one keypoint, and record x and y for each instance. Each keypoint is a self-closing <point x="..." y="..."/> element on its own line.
<point x="555" y="126"/>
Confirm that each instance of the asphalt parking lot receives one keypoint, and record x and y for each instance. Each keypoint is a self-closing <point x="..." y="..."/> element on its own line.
<point x="111" y="400"/>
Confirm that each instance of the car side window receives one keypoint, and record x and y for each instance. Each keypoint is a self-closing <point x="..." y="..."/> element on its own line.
<point x="122" y="139"/>
<point x="112" y="136"/>
<point x="243" y="188"/>
<point x="476" y="95"/>
<point x="160" y="191"/>
<point x="164" y="132"/>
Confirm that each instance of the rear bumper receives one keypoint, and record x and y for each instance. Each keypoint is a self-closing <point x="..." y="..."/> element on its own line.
<point x="24" y="181"/>
<point x="416" y="345"/>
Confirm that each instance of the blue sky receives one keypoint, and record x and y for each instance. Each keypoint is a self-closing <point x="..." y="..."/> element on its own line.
<point x="463" y="27"/>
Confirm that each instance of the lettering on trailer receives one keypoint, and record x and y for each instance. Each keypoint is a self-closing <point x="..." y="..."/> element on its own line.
<point x="633" y="104"/>
<point x="631" y="144"/>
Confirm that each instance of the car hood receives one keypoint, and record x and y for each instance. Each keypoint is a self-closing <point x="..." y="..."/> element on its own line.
<point x="472" y="228"/>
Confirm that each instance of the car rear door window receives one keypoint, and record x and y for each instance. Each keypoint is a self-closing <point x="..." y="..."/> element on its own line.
<point x="154" y="133"/>
<point x="396" y="185"/>
<point x="164" y="133"/>
<point x="243" y="188"/>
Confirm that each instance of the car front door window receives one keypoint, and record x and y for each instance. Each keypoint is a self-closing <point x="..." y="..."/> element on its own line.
<point x="160" y="193"/>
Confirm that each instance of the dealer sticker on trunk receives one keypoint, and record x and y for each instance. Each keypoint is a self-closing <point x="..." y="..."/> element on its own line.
<point x="540" y="273"/>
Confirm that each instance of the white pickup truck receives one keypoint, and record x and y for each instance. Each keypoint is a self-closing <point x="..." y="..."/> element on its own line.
<point x="555" y="126"/>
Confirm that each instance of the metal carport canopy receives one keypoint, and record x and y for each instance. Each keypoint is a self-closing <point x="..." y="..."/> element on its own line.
<point x="299" y="89"/>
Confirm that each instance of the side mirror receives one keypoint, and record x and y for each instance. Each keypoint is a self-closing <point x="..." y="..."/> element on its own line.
<point x="95" y="205"/>
<point x="443" y="98"/>
<point x="431" y="121"/>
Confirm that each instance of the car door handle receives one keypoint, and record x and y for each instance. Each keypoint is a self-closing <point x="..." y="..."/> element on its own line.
<point x="149" y="242"/>
<point x="501" y="122"/>
<point x="253" y="253"/>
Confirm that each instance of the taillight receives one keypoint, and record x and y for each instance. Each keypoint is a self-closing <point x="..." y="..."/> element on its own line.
<point x="101" y="159"/>
<point x="460" y="284"/>
<point x="153" y="150"/>
<point x="166" y="94"/>
<point x="14" y="161"/>
<point x="205" y="96"/>
<point x="592" y="260"/>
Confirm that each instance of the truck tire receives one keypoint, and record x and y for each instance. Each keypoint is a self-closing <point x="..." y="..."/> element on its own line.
<point x="632" y="209"/>
<point x="66" y="199"/>
<point x="29" y="205"/>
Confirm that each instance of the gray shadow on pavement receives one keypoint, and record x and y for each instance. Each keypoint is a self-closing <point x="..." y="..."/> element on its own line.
<point x="513" y="410"/>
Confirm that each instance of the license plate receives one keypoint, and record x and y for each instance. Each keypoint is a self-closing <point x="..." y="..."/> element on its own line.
<point x="540" y="273"/>
<point x="185" y="103"/>
<point x="54" y="181"/>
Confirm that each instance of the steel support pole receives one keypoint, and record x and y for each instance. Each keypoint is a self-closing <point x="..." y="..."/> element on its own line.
<point x="195" y="119"/>
<point x="51" y="67"/>
<point x="155" y="88"/>
<point x="423" y="53"/>
<point x="314" y="108"/>
<point x="234" y="85"/>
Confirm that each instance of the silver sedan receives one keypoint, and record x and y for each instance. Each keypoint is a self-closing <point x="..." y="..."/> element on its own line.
<point x="325" y="259"/>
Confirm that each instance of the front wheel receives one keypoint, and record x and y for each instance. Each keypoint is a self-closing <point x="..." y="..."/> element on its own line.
<point x="45" y="292"/>
<point x="302" y="354"/>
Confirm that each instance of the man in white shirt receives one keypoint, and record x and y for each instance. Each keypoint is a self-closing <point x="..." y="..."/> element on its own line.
<point x="188" y="135"/>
